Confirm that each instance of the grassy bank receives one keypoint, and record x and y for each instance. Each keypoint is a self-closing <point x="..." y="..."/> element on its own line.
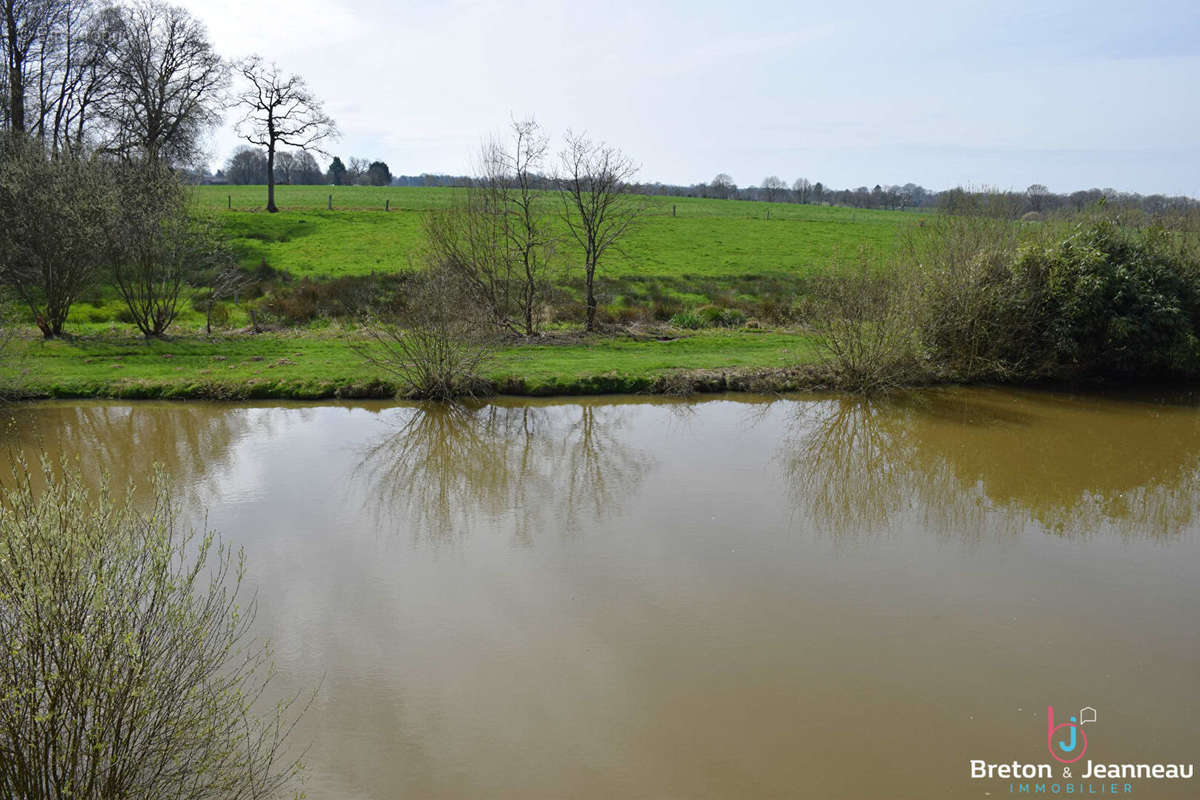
<point x="309" y="364"/>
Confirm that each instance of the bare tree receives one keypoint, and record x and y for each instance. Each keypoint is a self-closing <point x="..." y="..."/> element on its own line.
<point x="356" y="172"/>
<point x="305" y="169"/>
<point x="773" y="187"/>
<point x="597" y="209"/>
<point x="1038" y="195"/>
<point x="285" y="165"/>
<point x="247" y="166"/>
<point x="129" y="666"/>
<point x="26" y="26"/>
<point x="496" y="238"/>
<point x="280" y="109"/>
<point x="168" y="84"/>
<point x="723" y="186"/>
<point x="802" y="190"/>
<point x="51" y="238"/>
<point x="526" y="227"/>
<point x="69" y="71"/>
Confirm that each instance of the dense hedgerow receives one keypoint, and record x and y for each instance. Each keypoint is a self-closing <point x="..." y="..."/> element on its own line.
<point x="1100" y="300"/>
<point x="1119" y="302"/>
<point x="982" y="299"/>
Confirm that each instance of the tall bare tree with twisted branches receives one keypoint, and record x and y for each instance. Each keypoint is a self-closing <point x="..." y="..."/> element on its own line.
<point x="280" y="109"/>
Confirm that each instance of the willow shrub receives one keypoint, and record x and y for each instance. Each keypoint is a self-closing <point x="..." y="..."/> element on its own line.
<point x="866" y="338"/>
<point x="126" y="665"/>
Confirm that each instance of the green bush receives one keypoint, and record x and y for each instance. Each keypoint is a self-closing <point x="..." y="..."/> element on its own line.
<point x="712" y="315"/>
<point x="219" y="314"/>
<point x="709" y="317"/>
<point x="688" y="319"/>
<point x="1098" y="300"/>
<point x="1120" y="302"/>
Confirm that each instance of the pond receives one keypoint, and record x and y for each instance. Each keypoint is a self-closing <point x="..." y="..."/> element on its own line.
<point x="727" y="597"/>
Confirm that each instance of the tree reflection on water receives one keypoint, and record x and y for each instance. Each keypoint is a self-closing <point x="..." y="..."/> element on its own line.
<point x="536" y="466"/>
<point x="989" y="461"/>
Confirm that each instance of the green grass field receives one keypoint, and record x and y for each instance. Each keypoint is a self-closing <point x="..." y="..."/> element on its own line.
<point x="715" y="239"/>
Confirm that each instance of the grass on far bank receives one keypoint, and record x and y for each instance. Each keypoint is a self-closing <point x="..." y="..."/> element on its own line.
<point x="707" y="238"/>
<point x="307" y="364"/>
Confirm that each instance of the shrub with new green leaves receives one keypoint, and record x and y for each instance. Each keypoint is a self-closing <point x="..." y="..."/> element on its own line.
<point x="51" y="238"/>
<point x="126" y="664"/>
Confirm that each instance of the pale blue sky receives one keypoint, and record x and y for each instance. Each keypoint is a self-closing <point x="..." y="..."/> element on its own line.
<point x="1069" y="94"/>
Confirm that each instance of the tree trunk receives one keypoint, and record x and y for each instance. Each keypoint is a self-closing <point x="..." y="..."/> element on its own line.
<point x="591" y="298"/>
<point x="271" y="180"/>
<point x="16" y="109"/>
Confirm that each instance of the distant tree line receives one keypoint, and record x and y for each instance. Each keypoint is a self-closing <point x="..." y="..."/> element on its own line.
<point x="1037" y="200"/>
<point x="1011" y="204"/>
<point x="248" y="166"/>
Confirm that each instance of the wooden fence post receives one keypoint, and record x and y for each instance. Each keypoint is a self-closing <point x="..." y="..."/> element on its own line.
<point x="672" y="211"/>
<point x="331" y="202"/>
<point x="230" y="202"/>
<point x="387" y="205"/>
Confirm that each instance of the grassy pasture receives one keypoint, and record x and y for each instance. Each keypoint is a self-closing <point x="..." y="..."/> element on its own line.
<point x="716" y="239"/>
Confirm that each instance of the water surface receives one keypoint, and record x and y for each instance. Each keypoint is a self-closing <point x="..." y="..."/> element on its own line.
<point x="734" y="597"/>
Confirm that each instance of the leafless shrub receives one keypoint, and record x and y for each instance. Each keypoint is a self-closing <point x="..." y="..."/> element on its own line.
<point x="224" y="284"/>
<point x="864" y="320"/>
<point x="127" y="668"/>
<point x="496" y="238"/>
<point x="439" y="349"/>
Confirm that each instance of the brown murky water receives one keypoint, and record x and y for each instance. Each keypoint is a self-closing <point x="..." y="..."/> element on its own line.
<point x="730" y="598"/>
